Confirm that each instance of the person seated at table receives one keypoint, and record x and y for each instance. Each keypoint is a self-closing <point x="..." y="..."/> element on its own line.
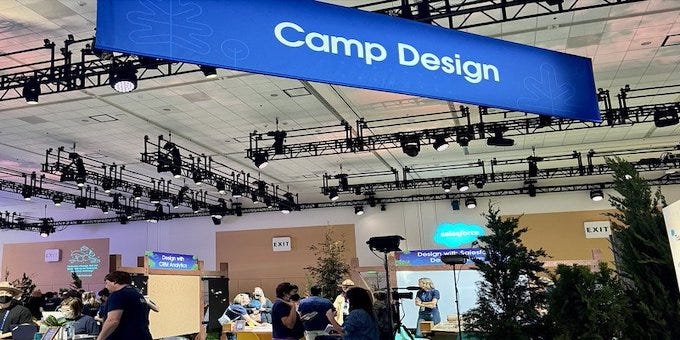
<point x="82" y="324"/>
<point x="360" y="323"/>
<point x="237" y="310"/>
<point x="261" y="306"/>
<point x="312" y="311"/>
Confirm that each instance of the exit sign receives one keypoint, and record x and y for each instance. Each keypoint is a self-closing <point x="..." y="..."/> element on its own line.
<point x="598" y="229"/>
<point x="281" y="243"/>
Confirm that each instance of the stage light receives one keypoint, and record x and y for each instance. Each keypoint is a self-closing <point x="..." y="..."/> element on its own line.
<point x="463" y="186"/>
<point x="383" y="207"/>
<point x="216" y="211"/>
<point x="410" y="145"/>
<point x="470" y="202"/>
<point x="107" y="184"/>
<point x="154" y="196"/>
<point x="533" y="167"/>
<point x="137" y="193"/>
<point x="446" y="185"/>
<point x="123" y="219"/>
<point x="480" y="181"/>
<point x="197" y="177"/>
<point x="195" y="207"/>
<point x="216" y="221"/>
<point x="221" y="187"/>
<point x="175" y="203"/>
<point x="57" y="199"/>
<point x="666" y="116"/>
<point x="333" y="194"/>
<point x="123" y="78"/>
<point x="454" y="259"/>
<point x="81" y="202"/>
<point x="116" y="201"/>
<point x="279" y="139"/>
<point x="440" y="143"/>
<point x="499" y="140"/>
<point x="46" y="228"/>
<point x="209" y="72"/>
<point x="463" y="138"/>
<point x="455" y="204"/>
<point x="532" y="190"/>
<point x="261" y="159"/>
<point x="238" y="209"/>
<point x="372" y="202"/>
<point x="236" y="191"/>
<point x="105" y="208"/>
<point x="343" y="182"/>
<point x="81" y="174"/>
<point x="284" y="208"/>
<point x="596" y="195"/>
<point x="27" y="192"/>
<point x="268" y="202"/>
<point x="128" y="212"/>
<point x="384" y="244"/>
<point x="31" y="91"/>
<point x="359" y="210"/>
<point x="357" y="190"/>
<point x="176" y="168"/>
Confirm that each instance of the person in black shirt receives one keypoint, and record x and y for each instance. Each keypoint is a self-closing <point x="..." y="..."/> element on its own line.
<point x="127" y="317"/>
<point x="286" y="323"/>
<point x="11" y="311"/>
<point x="52" y="302"/>
<point x="34" y="303"/>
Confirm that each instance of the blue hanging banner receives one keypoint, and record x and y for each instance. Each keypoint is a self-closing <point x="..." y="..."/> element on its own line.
<point x="431" y="257"/>
<point x="169" y="261"/>
<point x="321" y="42"/>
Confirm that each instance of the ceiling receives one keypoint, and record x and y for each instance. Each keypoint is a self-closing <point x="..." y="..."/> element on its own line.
<point x="216" y="116"/>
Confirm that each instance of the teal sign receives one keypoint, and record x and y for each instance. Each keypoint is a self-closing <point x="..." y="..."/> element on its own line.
<point x="170" y="261"/>
<point x="453" y="235"/>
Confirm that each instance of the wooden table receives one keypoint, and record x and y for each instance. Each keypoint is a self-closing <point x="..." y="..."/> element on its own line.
<point x="248" y="333"/>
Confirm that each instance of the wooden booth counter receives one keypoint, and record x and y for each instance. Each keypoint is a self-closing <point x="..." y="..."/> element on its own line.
<point x="263" y="332"/>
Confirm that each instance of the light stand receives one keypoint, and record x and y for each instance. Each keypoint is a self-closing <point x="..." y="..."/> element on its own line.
<point x="453" y="260"/>
<point x="386" y="244"/>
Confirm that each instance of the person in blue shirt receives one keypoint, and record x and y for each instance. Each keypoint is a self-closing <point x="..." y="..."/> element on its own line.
<point x="81" y="324"/>
<point x="237" y="310"/>
<point x="286" y="324"/>
<point x="312" y="311"/>
<point x="260" y="306"/>
<point x="426" y="301"/>
<point x="361" y="323"/>
<point x="128" y="313"/>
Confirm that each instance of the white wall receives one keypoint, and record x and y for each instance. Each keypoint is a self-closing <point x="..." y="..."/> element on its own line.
<point x="415" y="221"/>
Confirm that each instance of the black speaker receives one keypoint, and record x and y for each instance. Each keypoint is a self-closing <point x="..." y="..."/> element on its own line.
<point x="455" y="204"/>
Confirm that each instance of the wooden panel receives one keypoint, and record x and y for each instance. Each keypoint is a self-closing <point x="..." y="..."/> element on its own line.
<point x="252" y="261"/>
<point x="174" y="293"/>
<point x="29" y="258"/>
<point x="561" y="235"/>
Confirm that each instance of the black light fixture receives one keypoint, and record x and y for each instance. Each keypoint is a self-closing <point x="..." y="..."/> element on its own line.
<point x="279" y="139"/>
<point x="123" y="78"/>
<point x="197" y="177"/>
<point x="440" y="143"/>
<point x="284" y="207"/>
<point x="107" y="184"/>
<point x="533" y="166"/>
<point x="666" y="116"/>
<point x="209" y="72"/>
<point x="175" y="203"/>
<point x="81" y="174"/>
<point x="531" y="188"/>
<point x="27" y="192"/>
<point x="596" y="195"/>
<point x="217" y="211"/>
<point x="123" y="219"/>
<point x="238" y="209"/>
<point x="343" y="182"/>
<point x="81" y="202"/>
<point x="105" y="208"/>
<point x="383" y="207"/>
<point x="410" y="145"/>
<point x="154" y="196"/>
<point x="470" y="202"/>
<point x="463" y="138"/>
<point x="268" y="202"/>
<point x="57" y="199"/>
<point x="462" y="185"/>
<point x="446" y="185"/>
<point x="31" y="91"/>
<point x="46" y="228"/>
<point x="137" y="193"/>
<point x="372" y="201"/>
<point x="261" y="159"/>
<point x="216" y="221"/>
<point x="195" y="207"/>
<point x="359" y="210"/>
<point x="333" y="194"/>
<point x="236" y="191"/>
<point x="221" y="187"/>
<point x="480" y="180"/>
<point x="498" y="139"/>
<point x="128" y="212"/>
<point x="384" y="244"/>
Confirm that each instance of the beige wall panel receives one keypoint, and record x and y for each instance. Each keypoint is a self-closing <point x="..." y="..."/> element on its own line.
<point x="174" y="293"/>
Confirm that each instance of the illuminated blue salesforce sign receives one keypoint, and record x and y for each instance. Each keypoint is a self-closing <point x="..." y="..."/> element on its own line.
<point x="453" y="235"/>
<point x="316" y="41"/>
<point x="170" y="261"/>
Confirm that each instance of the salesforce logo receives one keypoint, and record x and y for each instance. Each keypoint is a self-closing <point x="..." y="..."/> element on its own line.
<point x="456" y="234"/>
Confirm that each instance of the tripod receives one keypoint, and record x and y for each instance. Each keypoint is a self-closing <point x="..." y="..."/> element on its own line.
<point x="453" y="260"/>
<point x="455" y="288"/>
<point x="399" y="327"/>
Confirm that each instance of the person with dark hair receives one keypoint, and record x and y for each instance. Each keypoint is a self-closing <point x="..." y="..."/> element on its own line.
<point x="286" y="324"/>
<point x="360" y="324"/>
<point x="312" y="311"/>
<point x="34" y="303"/>
<point x="127" y="314"/>
<point x="11" y="311"/>
<point x="82" y="324"/>
<point x="52" y="302"/>
<point x="103" y="306"/>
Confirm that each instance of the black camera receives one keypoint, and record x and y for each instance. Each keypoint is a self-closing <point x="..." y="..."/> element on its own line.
<point x="399" y="295"/>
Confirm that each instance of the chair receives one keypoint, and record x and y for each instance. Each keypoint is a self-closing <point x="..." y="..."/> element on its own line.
<point x="247" y="336"/>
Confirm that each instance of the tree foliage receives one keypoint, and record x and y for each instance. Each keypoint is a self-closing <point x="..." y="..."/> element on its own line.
<point x="587" y="305"/>
<point x="511" y="294"/>
<point x="642" y="252"/>
<point x="77" y="283"/>
<point x="25" y="283"/>
<point x="331" y="266"/>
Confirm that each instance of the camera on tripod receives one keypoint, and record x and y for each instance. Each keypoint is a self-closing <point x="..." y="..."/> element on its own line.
<point x="401" y="295"/>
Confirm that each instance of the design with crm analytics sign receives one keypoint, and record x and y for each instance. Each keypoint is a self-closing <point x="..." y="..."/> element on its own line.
<point x="327" y="43"/>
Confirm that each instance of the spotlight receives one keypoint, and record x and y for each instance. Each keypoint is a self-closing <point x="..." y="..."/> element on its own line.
<point x="279" y="139"/>
<point x="463" y="138"/>
<point x="455" y="204"/>
<point x="462" y="186"/>
<point x="107" y="184"/>
<point x="359" y="210"/>
<point x="357" y="190"/>
<point x="410" y="145"/>
<point x="128" y="212"/>
<point x="284" y="208"/>
<point x="261" y="159"/>
<point x="154" y="196"/>
<point x="176" y="168"/>
<point x="57" y="199"/>
<point x="81" y="174"/>
<point x="81" y="202"/>
<point x="216" y="211"/>
<point x="383" y="207"/>
<point x="238" y="209"/>
<point x="209" y="72"/>
<point x="123" y="78"/>
<point x="123" y="219"/>
<point x="480" y="181"/>
<point x="175" y="203"/>
<point x="596" y="195"/>
<point x="236" y="191"/>
<point x="372" y="202"/>
<point x="31" y="91"/>
<point x="343" y="182"/>
<point x="470" y="202"/>
<point x="533" y="167"/>
<point x="268" y="202"/>
<point x="385" y="244"/>
<point x="197" y="177"/>
<point x="666" y="116"/>
<point x="333" y="194"/>
<point x="446" y="185"/>
<point x="440" y="143"/>
<point x="532" y="190"/>
<point x="216" y="221"/>
<point x="499" y="140"/>
<point x="195" y="207"/>
<point x="46" y="228"/>
<point x="137" y="193"/>
<point x="105" y="208"/>
<point x="27" y="192"/>
<point x="116" y="201"/>
<point x="221" y="187"/>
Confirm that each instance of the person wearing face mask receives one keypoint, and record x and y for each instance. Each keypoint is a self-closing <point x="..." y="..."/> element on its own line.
<point x="11" y="311"/>
<point x="261" y="305"/>
<point x="82" y="324"/>
<point x="286" y="324"/>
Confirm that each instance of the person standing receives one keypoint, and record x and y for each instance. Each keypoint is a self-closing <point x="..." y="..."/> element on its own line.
<point x="11" y="311"/>
<point x="426" y="300"/>
<point x="360" y="324"/>
<point x="286" y="324"/>
<point x="340" y="303"/>
<point x="128" y="313"/>
<point x="312" y="311"/>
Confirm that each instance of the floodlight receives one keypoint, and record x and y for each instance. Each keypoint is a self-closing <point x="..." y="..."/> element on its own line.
<point x="385" y="244"/>
<point x="454" y="259"/>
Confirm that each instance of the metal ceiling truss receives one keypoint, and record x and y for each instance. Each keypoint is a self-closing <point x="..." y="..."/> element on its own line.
<point x="460" y="14"/>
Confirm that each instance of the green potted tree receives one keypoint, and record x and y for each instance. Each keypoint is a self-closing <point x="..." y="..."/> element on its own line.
<point x="331" y="266"/>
